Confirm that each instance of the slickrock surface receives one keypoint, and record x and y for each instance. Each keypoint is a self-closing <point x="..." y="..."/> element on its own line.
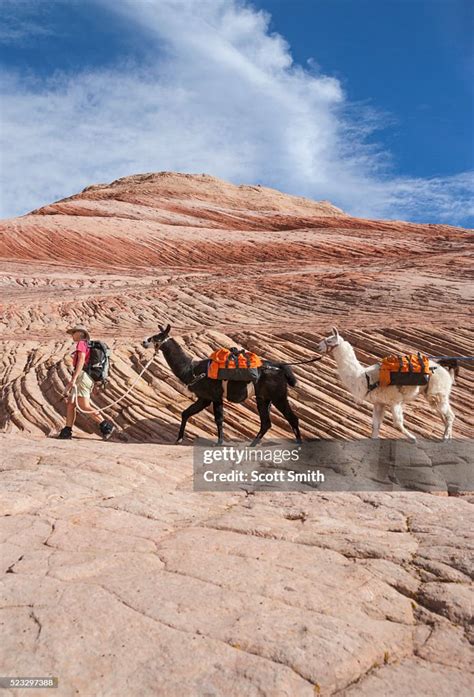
<point x="117" y="577"/>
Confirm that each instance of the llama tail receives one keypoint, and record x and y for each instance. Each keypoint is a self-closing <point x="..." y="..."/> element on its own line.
<point x="289" y="374"/>
<point x="452" y="366"/>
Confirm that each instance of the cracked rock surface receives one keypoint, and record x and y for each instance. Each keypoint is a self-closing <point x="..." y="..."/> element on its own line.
<point x="119" y="579"/>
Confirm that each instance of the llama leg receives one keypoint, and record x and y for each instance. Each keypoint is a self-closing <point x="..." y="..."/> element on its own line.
<point x="397" y="413"/>
<point x="377" y="418"/>
<point x="219" y="419"/>
<point x="195" y="408"/>
<point x="447" y="414"/>
<point x="263" y="406"/>
<point x="284" y="408"/>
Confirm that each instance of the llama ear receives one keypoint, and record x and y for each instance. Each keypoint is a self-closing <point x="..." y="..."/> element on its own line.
<point x="335" y="332"/>
<point x="168" y="327"/>
<point x="160" y="328"/>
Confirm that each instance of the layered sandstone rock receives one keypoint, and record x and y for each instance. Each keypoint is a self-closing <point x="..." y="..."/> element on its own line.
<point x="224" y="264"/>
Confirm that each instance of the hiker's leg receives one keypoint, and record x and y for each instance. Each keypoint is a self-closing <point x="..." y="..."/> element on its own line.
<point x="377" y="418"/>
<point x="219" y="419"/>
<point x="85" y="405"/>
<point x="284" y="408"/>
<point x="195" y="408"/>
<point x="70" y="413"/>
<point x="84" y="387"/>
<point x="263" y="406"/>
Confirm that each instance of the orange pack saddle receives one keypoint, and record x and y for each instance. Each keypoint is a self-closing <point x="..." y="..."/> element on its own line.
<point x="233" y="364"/>
<point x="411" y="369"/>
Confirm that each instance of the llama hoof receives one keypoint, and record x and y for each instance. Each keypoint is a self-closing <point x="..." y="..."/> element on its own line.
<point x="412" y="439"/>
<point x="254" y="443"/>
<point x="178" y="441"/>
<point x="218" y="443"/>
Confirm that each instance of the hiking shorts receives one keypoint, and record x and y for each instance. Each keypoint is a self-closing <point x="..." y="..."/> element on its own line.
<point x="84" y="385"/>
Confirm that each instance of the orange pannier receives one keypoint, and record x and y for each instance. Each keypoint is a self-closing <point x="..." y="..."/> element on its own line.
<point x="233" y="364"/>
<point x="412" y="369"/>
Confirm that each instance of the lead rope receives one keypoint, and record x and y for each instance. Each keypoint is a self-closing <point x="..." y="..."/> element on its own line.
<point x="310" y="360"/>
<point x="458" y="358"/>
<point x="111" y="404"/>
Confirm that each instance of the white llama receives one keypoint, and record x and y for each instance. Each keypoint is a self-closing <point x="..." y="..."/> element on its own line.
<point x="356" y="378"/>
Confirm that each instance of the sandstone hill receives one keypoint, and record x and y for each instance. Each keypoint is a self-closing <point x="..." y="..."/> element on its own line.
<point x="224" y="263"/>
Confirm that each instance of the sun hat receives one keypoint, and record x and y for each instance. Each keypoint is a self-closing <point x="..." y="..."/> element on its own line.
<point x="79" y="328"/>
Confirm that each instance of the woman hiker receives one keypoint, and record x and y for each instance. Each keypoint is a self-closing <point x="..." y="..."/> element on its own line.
<point x="84" y="385"/>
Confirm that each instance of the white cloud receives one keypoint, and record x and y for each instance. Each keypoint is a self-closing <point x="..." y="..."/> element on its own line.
<point x="222" y="96"/>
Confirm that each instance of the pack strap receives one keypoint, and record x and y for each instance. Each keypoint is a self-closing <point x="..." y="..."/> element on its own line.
<point x="422" y="364"/>
<point x="234" y="356"/>
<point x="370" y="386"/>
<point x="197" y="378"/>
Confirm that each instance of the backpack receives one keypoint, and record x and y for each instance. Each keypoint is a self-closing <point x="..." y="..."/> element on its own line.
<point x="233" y="364"/>
<point x="412" y="369"/>
<point x="99" y="361"/>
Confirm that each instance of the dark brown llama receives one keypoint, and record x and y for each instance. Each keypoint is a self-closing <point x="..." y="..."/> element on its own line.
<point x="271" y="387"/>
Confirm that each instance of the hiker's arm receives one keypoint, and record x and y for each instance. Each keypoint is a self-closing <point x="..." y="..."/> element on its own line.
<point x="81" y="359"/>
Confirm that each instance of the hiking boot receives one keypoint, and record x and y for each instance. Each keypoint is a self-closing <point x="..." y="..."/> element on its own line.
<point x="65" y="433"/>
<point x="106" y="428"/>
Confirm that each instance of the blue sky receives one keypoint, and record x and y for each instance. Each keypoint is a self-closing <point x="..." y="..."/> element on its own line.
<point x="412" y="58"/>
<point x="367" y="103"/>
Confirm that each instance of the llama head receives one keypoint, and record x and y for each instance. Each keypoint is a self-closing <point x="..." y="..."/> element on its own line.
<point x="157" y="340"/>
<point x="330" y="342"/>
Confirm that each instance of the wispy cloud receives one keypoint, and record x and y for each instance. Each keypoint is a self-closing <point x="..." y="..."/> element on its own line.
<point x="11" y="33"/>
<point x="222" y="96"/>
<point x="22" y="21"/>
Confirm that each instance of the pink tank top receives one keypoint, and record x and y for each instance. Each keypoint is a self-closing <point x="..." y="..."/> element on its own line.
<point x="81" y="347"/>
